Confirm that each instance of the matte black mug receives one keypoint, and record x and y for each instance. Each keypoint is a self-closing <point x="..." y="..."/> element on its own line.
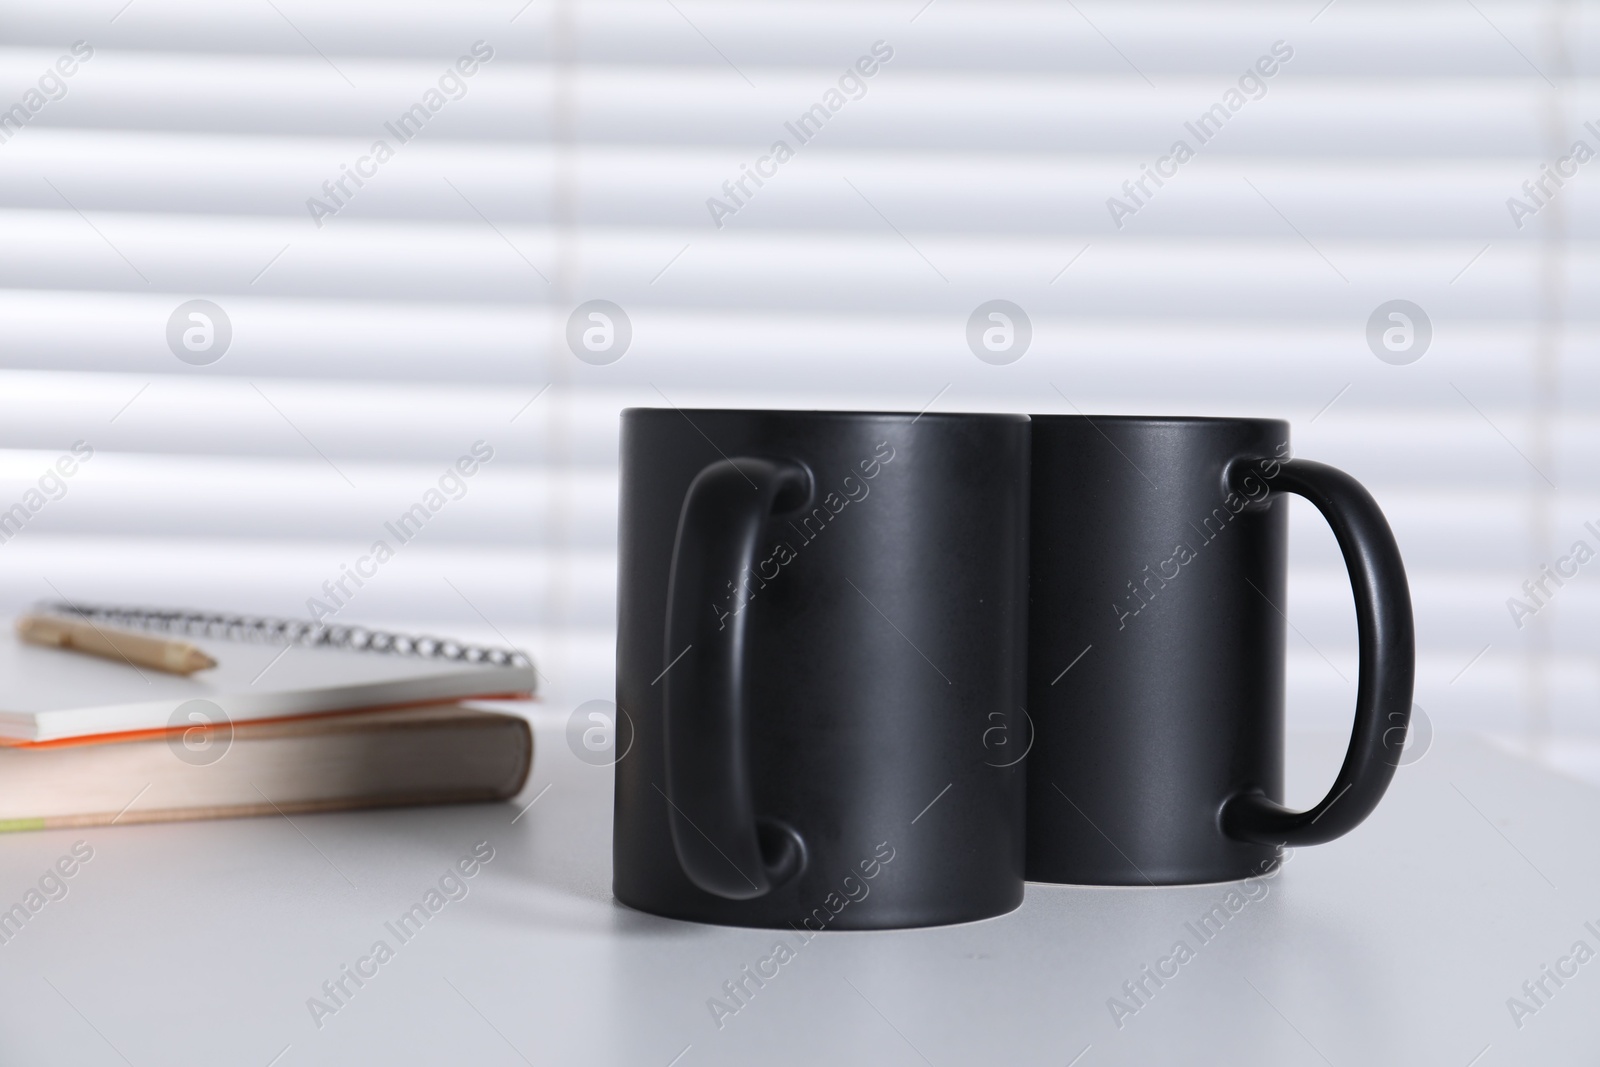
<point x="821" y="616"/>
<point x="1156" y="635"/>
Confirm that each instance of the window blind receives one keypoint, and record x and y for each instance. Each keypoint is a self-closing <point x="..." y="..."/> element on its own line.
<point x="380" y="328"/>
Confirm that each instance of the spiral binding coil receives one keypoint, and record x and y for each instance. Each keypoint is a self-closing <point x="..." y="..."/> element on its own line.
<point x="274" y="631"/>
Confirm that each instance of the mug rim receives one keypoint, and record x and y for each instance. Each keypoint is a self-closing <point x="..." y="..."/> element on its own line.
<point x="825" y="413"/>
<point x="1163" y="420"/>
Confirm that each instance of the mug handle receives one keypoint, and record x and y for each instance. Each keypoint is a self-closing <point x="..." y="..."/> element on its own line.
<point x="1387" y="644"/>
<point x="721" y="845"/>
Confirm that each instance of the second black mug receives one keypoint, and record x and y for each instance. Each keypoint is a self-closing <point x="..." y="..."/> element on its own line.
<point x="1156" y="635"/>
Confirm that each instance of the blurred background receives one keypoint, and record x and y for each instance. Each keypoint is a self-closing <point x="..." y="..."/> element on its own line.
<point x="360" y="334"/>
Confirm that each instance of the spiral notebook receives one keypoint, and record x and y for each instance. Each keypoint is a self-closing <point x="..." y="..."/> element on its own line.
<point x="266" y="669"/>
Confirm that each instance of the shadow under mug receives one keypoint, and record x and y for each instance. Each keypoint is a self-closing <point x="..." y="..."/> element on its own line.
<point x="1157" y="644"/>
<point x="821" y="624"/>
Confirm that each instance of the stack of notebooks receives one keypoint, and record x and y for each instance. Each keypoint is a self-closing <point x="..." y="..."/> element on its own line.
<point x="291" y="718"/>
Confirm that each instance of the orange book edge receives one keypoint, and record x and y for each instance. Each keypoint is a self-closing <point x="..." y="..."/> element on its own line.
<point x="163" y="731"/>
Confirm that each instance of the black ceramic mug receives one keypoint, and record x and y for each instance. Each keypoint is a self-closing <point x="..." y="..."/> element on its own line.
<point x="821" y="618"/>
<point x="1156" y="634"/>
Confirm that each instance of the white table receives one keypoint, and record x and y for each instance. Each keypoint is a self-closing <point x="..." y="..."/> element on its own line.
<point x="201" y="943"/>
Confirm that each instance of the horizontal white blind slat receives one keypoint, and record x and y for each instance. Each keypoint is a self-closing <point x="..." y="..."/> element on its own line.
<point x="907" y="110"/>
<point x="847" y="269"/>
<point x="197" y="175"/>
<point x="1359" y="38"/>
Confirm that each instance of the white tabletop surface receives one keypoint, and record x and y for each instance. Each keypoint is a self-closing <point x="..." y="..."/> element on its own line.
<point x="202" y="943"/>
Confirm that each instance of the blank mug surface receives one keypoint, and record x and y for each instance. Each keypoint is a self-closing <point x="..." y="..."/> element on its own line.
<point x="877" y="636"/>
<point x="1157" y="628"/>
